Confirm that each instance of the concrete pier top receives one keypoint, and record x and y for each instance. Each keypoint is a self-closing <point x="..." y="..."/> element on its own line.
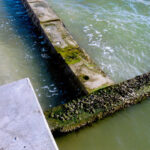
<point x="22" y="123"/>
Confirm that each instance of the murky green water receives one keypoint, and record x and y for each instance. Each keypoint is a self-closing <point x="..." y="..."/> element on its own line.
<point x="23" y="54"/>
<point x="116" y="34"/>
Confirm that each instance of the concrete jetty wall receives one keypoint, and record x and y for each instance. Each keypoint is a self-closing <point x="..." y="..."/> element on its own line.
<point x="77" y="66"/>
<point x="83" y="74"/>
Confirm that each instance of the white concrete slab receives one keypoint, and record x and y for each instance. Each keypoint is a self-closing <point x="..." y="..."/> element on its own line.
<point x="22" y="123"/>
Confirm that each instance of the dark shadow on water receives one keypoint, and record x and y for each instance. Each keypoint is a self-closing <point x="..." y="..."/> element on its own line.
<point x="22" y="26"/>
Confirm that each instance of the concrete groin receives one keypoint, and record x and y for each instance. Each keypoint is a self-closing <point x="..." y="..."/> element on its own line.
<point x="76" y="65"/>
<point x="78" y="69"/>
<point x="98" y="105"/>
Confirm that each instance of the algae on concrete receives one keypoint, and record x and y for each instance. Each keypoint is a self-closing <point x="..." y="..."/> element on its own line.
<point x="74" y="56"/>
<point x="83" y="111"/>
<point x="97" y="105"/>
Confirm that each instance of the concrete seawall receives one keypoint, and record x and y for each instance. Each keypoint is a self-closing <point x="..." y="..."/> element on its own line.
<point x="81" y="72"/>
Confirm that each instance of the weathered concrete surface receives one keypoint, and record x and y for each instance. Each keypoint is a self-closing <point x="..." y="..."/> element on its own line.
<point x="90" y="76"/>
<point x="22" y="123"/>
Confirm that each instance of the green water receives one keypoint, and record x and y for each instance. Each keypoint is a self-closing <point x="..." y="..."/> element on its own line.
<point x="126" y="130"/>
<point x="23" y="53"/>
<point x="116" y="34"/>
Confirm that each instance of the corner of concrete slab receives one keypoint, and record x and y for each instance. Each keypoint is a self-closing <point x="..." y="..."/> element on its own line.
<point x="22" y="122"/>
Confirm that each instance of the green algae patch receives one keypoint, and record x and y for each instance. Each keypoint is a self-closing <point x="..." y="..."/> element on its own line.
<point x="70" y="55"/>
<point x="99" y="104"/>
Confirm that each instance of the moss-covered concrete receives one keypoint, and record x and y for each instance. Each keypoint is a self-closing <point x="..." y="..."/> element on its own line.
<point x="89" y="75"/>
<point x="83" y="111"/>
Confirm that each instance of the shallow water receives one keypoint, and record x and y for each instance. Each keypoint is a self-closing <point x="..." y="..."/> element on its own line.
<point x="23" y="54"/>
<point x="116" y="34"/>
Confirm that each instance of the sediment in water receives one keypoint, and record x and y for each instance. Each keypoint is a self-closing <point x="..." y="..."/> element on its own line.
<point x="98" y="105"/>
